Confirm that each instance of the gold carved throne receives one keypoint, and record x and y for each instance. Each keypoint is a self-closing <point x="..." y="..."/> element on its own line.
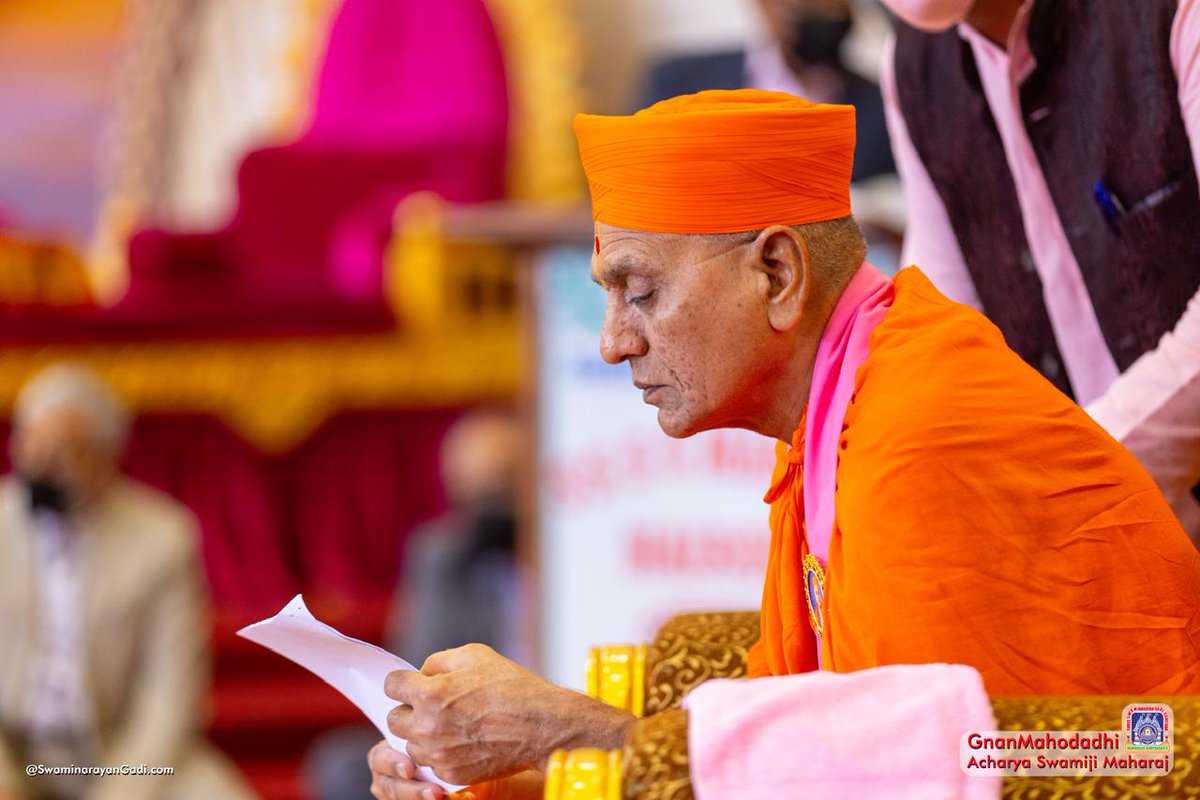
<point x="650" y="681"/>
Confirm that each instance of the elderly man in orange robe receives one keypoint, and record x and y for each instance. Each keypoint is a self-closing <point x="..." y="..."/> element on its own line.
<point x="934" y="500"/>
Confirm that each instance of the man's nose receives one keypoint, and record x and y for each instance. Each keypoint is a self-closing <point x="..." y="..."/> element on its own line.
<point x="619" y="339"/>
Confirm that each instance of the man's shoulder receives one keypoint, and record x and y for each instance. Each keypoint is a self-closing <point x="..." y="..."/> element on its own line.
<point x="948" y="418"/>
<point x="14" y="505"/>
<point x="147" y="500"/>
<point x="152" y="516"/>
<point x="11" y="490"/>
<point x="438" y="542"/>
<point x="939" y="381"/>
<point x="930" y="352"/>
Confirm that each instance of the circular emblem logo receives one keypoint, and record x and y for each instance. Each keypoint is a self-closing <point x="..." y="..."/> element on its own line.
<point x="1149" y="730"/>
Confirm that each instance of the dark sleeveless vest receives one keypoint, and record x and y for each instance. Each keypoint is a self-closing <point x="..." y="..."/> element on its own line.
<point x="1101" y="110"/>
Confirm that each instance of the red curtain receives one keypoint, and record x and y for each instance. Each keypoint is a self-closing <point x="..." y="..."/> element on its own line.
<point x="328" y="517"/>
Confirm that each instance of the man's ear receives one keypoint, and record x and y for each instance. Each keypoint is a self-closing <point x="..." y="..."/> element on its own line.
<point x="781" y="254"/>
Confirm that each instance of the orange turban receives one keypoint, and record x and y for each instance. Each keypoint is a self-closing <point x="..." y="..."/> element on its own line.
<point x="719" y="162"/>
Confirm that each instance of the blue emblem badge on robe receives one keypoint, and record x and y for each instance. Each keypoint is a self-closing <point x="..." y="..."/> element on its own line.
<point x="814" y="593"/>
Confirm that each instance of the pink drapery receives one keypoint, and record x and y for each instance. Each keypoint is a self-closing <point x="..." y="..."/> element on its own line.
<point x="403" y="73"/>
<point x="412" y="96"/>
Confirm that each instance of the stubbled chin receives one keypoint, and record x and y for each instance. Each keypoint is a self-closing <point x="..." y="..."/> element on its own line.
<point x="675" y="428"/>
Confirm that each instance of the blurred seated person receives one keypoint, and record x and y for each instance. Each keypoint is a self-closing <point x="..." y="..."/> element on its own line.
<point x="460" y="577"/>
<point x="460" y="581"/>
<point x="102" y="611"/>
<point x="801" y="54"/>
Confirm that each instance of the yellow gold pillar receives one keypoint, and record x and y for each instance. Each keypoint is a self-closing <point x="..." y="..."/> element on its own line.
<point x="585" y="774"/>
<point x="616" y="674"/>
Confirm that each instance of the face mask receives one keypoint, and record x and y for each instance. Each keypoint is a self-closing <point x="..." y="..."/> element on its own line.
<point x="930" y="15"/>
<point x="818" y="40"/>
<point x="47" y="495"/>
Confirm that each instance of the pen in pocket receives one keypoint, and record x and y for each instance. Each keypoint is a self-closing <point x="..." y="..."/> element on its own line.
<point x="1110" y="205"/>
<point x="1113" y="209"/>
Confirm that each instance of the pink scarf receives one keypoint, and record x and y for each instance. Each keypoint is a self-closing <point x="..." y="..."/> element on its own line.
<point x="842" y="350"/>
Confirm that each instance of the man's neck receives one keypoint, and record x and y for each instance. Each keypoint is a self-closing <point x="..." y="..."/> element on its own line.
<point x="791" y="390"/>
<point x="793" y="415"/>
<point x="994" y="18"/>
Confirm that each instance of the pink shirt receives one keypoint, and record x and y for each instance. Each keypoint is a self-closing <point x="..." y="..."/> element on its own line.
<point x="1154" y="407"/>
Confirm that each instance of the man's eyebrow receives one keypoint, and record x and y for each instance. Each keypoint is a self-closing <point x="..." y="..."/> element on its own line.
<point x="617" y="269"/>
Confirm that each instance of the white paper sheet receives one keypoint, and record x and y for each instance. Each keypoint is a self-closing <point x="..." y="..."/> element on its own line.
<point x="355" y="668"/>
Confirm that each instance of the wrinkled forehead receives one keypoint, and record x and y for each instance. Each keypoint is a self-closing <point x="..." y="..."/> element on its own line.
<point x="620" y="252"/>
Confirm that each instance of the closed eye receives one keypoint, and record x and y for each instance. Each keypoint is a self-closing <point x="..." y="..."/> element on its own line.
<point x="641" y="299"/>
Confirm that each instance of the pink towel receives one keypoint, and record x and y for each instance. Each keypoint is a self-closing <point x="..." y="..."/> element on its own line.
<point x="891" y="732"/>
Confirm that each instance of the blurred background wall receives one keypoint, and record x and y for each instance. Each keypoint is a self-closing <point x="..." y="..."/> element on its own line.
<point x="625" y="37"/>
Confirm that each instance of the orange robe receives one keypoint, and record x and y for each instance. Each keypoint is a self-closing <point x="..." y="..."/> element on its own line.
<point x="981" y="518"/>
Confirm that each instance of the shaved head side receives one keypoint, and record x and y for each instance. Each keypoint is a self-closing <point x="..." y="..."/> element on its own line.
<point x="836" y="247"/>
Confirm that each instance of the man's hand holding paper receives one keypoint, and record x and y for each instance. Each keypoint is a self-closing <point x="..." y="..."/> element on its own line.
<point x="472" y="715"/>
<point x="468" y="715"/>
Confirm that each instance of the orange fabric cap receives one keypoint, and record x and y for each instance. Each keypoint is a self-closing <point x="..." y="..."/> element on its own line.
<point x="719" y="162"/>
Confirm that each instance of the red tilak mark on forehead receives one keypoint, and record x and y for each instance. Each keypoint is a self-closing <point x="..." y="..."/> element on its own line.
<point x="597" y="245"/>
